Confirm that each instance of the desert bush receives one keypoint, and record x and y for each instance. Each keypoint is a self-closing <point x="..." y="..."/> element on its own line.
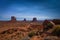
<point x="31" y="34"/>
<point x="56" y="31"/>
<point x="48" y="26"/>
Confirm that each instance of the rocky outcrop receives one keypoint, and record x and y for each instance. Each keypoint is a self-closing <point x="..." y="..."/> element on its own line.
<point x="13" y="19"/>
<point x="34" y="20"/>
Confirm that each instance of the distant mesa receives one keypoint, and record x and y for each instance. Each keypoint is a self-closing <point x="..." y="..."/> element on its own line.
<point x="54" y="21"/>
<point x="13" y="18"/>
<point x="24" y="19"/>
<point x="34" y="20"/>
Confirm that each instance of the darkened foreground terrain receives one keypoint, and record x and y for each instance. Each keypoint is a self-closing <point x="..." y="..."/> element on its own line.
<point x="30" y="30"/>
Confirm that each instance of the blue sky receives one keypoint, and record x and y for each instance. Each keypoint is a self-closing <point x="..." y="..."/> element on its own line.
<point x="41" y="9"/>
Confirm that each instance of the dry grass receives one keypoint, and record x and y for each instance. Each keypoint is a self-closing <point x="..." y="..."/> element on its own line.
<point x="19" y="30"/>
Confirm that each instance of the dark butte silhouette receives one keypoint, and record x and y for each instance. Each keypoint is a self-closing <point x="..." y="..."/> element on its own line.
<point x="13" y="19"/>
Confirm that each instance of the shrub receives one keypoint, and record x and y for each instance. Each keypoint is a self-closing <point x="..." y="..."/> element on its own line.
<point x="56" y="31"/>
<point x="31" y="34"/>
<point x="48" y="26"/>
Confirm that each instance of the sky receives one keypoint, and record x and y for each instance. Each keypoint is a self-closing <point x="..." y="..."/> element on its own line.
<point x="41" y="9"/>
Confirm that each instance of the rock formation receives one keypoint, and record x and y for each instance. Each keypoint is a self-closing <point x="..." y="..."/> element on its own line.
<point x="34" y="19"/>
<point x="13" y="19"/>
<point x="24" y="19"/>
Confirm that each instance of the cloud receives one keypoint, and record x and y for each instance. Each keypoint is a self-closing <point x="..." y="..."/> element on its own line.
<point x="30" y="8"/>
